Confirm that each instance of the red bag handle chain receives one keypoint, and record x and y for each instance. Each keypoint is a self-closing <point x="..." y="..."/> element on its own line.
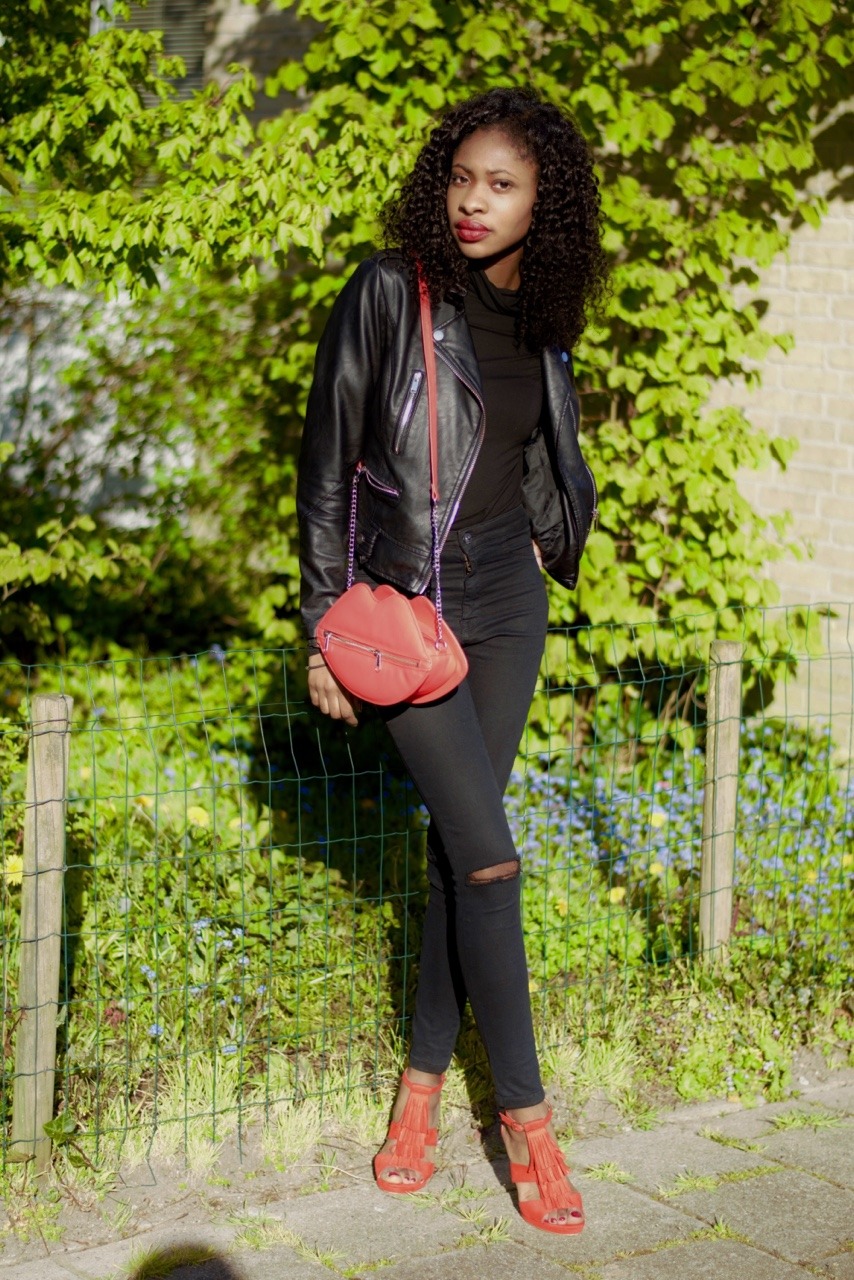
<point x="433" y="425"/>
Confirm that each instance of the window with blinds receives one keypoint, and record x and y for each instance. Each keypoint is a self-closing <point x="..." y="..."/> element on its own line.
<point x="184" y="24"/>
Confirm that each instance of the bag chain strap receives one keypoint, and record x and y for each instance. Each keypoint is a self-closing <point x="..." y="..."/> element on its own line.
<point x="351" y="537"/>
<point x="430" y="363"/>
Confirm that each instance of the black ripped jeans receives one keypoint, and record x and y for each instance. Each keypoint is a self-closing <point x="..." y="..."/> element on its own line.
<point x="459" y="752"/>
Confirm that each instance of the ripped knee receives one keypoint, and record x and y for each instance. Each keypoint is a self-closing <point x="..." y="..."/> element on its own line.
<point x="494" y="875"/>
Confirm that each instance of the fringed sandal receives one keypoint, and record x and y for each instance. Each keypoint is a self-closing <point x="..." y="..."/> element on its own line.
<point x="547" y="1168"/>
<point x="411" y="1135"/>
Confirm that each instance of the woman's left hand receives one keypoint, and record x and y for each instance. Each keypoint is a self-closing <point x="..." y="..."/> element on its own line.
<point x="328" y="695"/>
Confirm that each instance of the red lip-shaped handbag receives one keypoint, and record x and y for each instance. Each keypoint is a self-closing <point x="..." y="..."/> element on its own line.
<point x="381" y="645"/>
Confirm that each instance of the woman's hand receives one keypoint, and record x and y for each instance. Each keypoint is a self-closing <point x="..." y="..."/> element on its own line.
<point x="538" y="555"/>
<point x="327" y="694"/>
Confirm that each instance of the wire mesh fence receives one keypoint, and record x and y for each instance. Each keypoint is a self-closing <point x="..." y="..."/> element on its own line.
<point x="240" y="905"/>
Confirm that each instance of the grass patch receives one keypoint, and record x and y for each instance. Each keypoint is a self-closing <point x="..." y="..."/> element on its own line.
<point x="799" y="1119"/>
<point x="156" y="1264"/>
<point x="362" y="1268"/>
<point x="608" y="1171"/>
<point x="490" y="1233"/>
<point x="687" y="1181"/>
<point x="719" y="1230"/>
<point x="737" y="1144"/>
<point x="745" y="1175"/>
<point x="260" y="1231"/>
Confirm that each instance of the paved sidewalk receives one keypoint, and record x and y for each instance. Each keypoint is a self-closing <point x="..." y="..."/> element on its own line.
<point x="712" y="1191"/>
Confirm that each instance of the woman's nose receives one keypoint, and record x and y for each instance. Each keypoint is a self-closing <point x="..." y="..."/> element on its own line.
<point x="473" y="200"/>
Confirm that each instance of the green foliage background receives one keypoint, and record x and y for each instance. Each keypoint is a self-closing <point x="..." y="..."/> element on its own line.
<point x="703" y="118"/>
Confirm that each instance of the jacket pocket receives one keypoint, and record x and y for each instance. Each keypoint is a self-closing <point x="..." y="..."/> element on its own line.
<point x="378" y="485"/>
<point x="404" y="422"/>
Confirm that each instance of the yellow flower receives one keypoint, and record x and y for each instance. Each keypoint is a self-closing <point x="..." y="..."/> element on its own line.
<point x="811" y="876"/>
<point x="561" y="907"/>
<point x="657" y="818"/>
<point x="147" y="802"/>
<point x="13" y="869"/>
<point x="617" y="894"/>
<point x="198" y="816"/>
<point x="235" y="824"/>
<point x="656" y="868"/>
<point x="848" y="860"/>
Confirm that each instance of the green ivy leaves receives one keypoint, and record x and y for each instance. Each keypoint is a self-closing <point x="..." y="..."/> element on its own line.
<point x="701" y="116"/>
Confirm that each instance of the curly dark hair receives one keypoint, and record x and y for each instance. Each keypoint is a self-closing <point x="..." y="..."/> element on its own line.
<point x="563" y="267"/>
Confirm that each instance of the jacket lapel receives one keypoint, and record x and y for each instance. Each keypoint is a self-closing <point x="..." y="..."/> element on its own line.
<point x="453" y="345"/>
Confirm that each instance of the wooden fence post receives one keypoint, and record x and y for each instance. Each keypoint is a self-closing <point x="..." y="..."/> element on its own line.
<point x="717" y="865"/>
<point x="41" y="927"/>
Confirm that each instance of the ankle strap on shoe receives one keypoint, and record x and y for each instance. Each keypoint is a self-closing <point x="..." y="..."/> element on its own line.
<point x="527" y="1126"/>
<point x="425" y="1089"/>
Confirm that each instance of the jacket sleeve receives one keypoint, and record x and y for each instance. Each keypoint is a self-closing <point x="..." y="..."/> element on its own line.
<point x="344" y="390"/>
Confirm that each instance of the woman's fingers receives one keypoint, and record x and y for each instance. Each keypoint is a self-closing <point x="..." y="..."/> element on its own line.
<point x="329" y="697"/>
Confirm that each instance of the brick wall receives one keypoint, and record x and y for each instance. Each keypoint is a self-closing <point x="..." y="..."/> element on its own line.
<point x="809" y="394"/>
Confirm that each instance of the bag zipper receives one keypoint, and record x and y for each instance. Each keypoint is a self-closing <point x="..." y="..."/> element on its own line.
<point x="402" y="430"/>
<point x="379" y="655"/>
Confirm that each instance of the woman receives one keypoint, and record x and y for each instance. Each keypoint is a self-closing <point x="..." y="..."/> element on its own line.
<point x="501" y="213"/>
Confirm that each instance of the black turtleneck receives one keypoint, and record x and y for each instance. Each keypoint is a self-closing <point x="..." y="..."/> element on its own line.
<point x="512" y="395"/>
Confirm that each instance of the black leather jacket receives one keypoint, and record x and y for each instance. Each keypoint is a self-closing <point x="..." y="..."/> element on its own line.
<point x="368" y="403"/>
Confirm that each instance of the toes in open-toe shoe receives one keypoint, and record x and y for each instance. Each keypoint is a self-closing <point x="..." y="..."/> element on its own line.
<point x="547" y="1168"/>
<point x="411" y="1134"/>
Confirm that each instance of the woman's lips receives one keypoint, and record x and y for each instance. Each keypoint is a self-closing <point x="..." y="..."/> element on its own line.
<point x="471" y="231"/>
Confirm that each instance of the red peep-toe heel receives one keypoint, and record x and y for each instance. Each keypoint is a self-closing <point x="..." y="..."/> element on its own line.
<point x="411" y="1135"/>
<point x="547" y="1167"/>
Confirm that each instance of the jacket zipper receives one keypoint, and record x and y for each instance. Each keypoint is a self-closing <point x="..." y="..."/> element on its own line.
<point x="379" y="655"/>
<point x="378" y="484"/>
<point x="595" y="517"/>
<point x="408" y="410"/>
<point x="470" y="468"/>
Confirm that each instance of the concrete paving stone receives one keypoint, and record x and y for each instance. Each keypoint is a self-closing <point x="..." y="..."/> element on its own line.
<point x="691" y="1115"/>
<point x="791" y="1213"/>
<point x="365" y="1225"/>
<point x="479" y="1174"/>
<point x="654" y="1164"/>
<point x="841" y="1267"/>
<point x="754" y="1124"/>
<point x="475" y="1263"/>
<point x="837" y="1098"/>
<point x="616" y="1219"/>
<point x="277" y="1263"/>
<point x="40" y="1269"/>
<point x="704" y="1260"/>
<point x="829" y="1152"/>
<point x="110" y="1259"/>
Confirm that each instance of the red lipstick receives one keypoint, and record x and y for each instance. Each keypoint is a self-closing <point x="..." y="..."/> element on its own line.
<point x="470" y="231"/>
